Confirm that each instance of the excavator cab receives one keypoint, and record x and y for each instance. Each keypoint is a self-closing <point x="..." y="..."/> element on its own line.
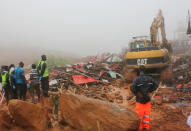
<point x="141" y="43"/>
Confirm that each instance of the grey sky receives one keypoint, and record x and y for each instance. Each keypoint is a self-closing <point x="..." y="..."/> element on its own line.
<point x="84" y="26"/>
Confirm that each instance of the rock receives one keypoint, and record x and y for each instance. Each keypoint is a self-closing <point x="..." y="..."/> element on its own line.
<point x="117" y="93"/>
<point x="119" y="101"/>
<point x="119" y="97"/>
<point x="68" y="128"/>
<point x="57" y="129"/>
<point x="129" y="97"/>
<point x="28" y="115"/>
<point x="157" y="100"/>
<point x="47" y="103"/>
<point x="5" y="118"/>
<point x="112" y="96"/>
<point x="88" y="114"/>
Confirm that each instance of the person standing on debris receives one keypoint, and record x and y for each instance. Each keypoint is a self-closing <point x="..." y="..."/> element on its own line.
<point x="21" y="82"/>
<point x="43" y="73"/>
<point x="12" y="81"/>
<point x="4" y="80"/>
<point x="34" y="83"/>
<point x="141" y="87"/>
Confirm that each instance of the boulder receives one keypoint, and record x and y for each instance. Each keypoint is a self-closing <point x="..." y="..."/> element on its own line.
<point x="88" y="114"/>
<point x="47" y="104"/>
<point x="28" y="115"/>
<point x="5" y="118"/>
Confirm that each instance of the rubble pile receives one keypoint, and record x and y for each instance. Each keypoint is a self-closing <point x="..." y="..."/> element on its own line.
<point x="94" y="96"/>
<point x="99" y="83"/>
<point x="97" y="92"/>
<point x="172" y="94"/>
<point x="90" y="79"/>
<point x="181" y="87"/>
<point x="182" y="69"/>
<point x="98" y="68"/>
<point x="100" y="76"/>
<point x="166" y="95"/>
<point x="168" y="118"/>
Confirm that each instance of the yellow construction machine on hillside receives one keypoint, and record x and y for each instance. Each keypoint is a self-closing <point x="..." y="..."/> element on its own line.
<point x="150" y="52"/>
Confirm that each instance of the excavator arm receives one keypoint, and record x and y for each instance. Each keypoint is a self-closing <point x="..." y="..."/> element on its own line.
<point x="157" y="23"/>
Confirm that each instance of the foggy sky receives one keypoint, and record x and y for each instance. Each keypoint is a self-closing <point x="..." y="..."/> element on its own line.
<point x="84" y="27"/>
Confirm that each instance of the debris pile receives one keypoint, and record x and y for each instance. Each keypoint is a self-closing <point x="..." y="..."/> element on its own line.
<point x="166" y="118"/>
<point x="92" y="96"/>
<point x="182" y="69"/>
<point x="166" y="95"/>
<point x="97" y="71"/>
<point x="95" y="80"/>
<point x="174" y="94"/>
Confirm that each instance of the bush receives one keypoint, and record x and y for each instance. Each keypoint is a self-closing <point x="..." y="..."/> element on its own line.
<point x="57" y="61"/>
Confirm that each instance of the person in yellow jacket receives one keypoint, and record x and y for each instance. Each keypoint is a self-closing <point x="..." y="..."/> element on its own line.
<point x="4" y="80"/>
<point x="43" y="73"/>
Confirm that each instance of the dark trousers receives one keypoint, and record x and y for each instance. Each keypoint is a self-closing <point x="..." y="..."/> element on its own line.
<point x="45" y="86"/>
<point x="7" y="90"/>
<point x="15" y="96"/>
<point x="22" y="90"/>
<point x="36" y="87"/>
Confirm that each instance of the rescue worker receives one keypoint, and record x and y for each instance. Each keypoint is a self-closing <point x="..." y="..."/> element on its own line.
<point x="141" y="87"/>
<point x="4" y="79"/>
<point x="34" y="83"/>
<point x="21" y="82"/>
<point x="43" y="73"/>
<point x="12" y="81"/>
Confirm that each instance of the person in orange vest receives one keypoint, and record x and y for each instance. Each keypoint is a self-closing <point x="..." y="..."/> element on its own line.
<point x="141" y="87"/>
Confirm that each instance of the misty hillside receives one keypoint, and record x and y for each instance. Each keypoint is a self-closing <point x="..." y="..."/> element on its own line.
<point x="29" y="55"/>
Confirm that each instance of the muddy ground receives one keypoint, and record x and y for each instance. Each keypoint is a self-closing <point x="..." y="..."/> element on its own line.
<point x="165" y="116"/>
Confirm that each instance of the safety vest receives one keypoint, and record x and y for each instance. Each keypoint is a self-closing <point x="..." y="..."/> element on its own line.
<point x="46" y="69"/>
<point x="9" y="76"/>
<point x="4" y="79"/>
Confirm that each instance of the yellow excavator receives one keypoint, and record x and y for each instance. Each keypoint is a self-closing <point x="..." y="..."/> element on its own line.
<point x="150" y="52"/>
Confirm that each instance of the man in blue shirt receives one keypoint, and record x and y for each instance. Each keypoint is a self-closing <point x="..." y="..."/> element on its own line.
<point x="21" y="81"/>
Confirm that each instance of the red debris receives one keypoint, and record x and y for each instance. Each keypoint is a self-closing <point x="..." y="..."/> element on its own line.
<point x="80" y="79"/>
